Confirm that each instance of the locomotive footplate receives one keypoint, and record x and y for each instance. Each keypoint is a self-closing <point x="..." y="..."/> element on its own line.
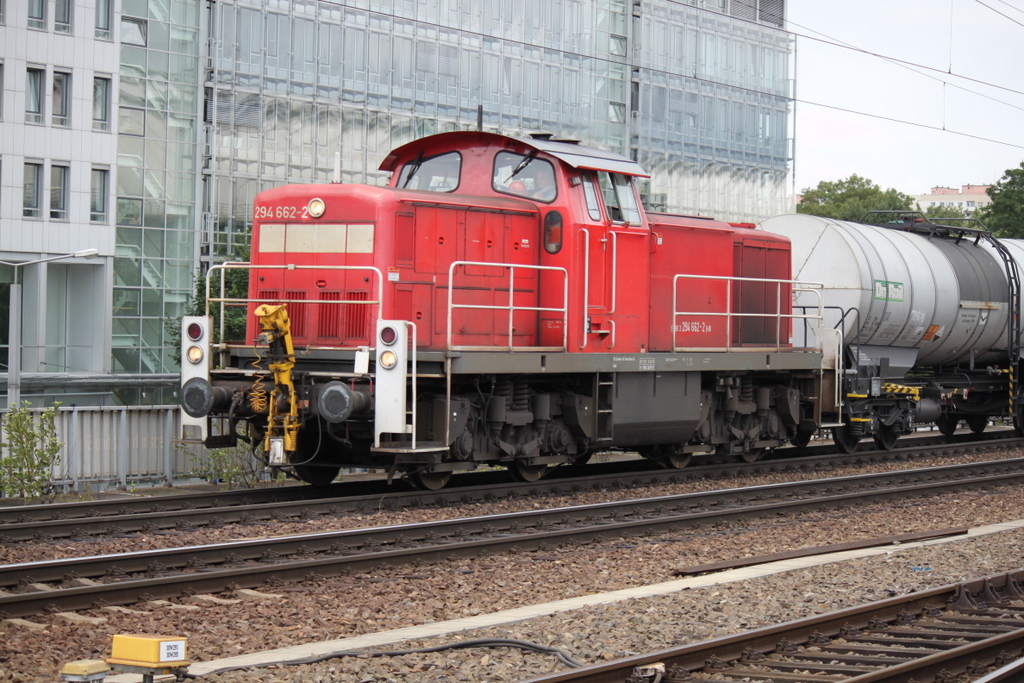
<point x="424" y="453"/>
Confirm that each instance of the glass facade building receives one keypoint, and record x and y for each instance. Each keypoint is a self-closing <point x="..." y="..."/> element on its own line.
<point x="697" y="92"/>
<point x="153" y="145"/>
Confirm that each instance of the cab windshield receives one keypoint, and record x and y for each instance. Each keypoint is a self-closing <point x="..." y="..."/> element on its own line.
<point x="434" y="174"/>
<point x="524" y="175"/>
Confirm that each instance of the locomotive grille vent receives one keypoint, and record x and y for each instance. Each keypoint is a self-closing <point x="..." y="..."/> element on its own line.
<point x="343" y="321"/>
<point x="296" y="312"/>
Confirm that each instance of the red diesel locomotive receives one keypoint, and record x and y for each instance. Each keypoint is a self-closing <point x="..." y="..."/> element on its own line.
<point x="503" y="301"/>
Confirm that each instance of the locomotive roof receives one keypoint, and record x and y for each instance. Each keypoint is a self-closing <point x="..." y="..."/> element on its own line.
<point x="576" y="155"/>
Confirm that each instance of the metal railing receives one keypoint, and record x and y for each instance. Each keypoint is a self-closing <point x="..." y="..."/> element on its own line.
<point x="226" y="301"/>
<point x="511" y="307"/>
<point x="784" y="289"/>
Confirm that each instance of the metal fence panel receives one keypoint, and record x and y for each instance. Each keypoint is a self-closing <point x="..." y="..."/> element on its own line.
<point x="116" y="445"/>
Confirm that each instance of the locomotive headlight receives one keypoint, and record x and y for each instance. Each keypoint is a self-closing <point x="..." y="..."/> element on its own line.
<point x="316" y="207"/>
<point x="388" y="359"/>
<point x="194" y="355"/>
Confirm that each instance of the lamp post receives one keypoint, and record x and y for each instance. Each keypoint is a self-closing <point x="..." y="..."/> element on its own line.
<point x="14" y="331"/>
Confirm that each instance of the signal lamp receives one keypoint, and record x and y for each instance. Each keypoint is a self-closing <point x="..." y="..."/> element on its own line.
<point x="194" y="355"/>
<point x="195" y="331"/>
<point x="388" y="359"/>
<point x="316" y="207"/>
<point x="388" y="335"/>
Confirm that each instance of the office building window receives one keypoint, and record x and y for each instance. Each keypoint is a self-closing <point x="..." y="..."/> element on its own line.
<point x="102" y="19"/>
<point x="34" y="96"/>
<point x="61" y="98"/>
<point x="101" y="103"/>
<point x="98" y="196"/>
<point x="62" y="16"/>
<point x="133" y="31"/>
<point x="37" y="14"/>
<point x="3" y="12"/>
<point x="31" y="191"/>
<point x="59" y="192"/>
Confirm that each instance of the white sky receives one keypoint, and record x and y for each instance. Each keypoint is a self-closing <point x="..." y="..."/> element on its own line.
<point x="959" y="35"/>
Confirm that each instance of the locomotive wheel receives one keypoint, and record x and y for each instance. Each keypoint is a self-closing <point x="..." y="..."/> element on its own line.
<point x="846" y="442"/>
<point x="528" y="473"/>
<point x="676" y="460"/>
<point x="430" y="481"/>
<point x="312" y="447"/>
<point x="977" y="423"/>
<point x="801" y="438"/>
<point x="886" y="437"/>
<point x="753" y="455"/>
<point x="947" y="424"/>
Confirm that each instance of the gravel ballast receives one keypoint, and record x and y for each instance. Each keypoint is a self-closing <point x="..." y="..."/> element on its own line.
<point x="349" y="605"/>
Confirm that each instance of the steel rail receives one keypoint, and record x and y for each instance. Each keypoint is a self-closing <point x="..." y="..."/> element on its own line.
<point x="330" y="553"/>
<point x="185" y="519"/>
<point x="929" y="638"/>
<point x="182" y="511"/>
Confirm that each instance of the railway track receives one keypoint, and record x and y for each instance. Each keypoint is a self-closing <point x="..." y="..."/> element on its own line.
<point x="936" y="635"/>
<point x="83" y="583"/>
<point x="90" y="519"/>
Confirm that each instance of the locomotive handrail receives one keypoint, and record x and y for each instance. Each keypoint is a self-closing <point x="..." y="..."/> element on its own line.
<point x="242" y="303"/>
<point x="586" y="284"/>
<point x="794" y="286"/>
<point x="511" y="307"/>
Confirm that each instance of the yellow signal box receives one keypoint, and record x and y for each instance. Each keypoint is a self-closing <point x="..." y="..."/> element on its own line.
<point x="149" y="655"/>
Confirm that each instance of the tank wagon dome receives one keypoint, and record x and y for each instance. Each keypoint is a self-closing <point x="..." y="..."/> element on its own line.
<point x="902" y="295"/>
<point x="568" y="151"/>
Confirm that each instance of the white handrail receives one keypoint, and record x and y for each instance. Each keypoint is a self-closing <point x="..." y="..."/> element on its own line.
<point x="511" y="307"/>
<point x="795" y="286"/>
<point x="235" y="265"/>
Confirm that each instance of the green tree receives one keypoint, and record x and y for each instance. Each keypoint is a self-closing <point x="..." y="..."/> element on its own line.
<point x="945" y="212"/>
<point x="236" y="286"/>
<point x="1005" y="215"/>
<point x="850" y="199"/>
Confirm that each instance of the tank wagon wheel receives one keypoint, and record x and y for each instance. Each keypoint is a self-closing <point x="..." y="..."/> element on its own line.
<point x="977" y="423"/>
<point x="846" y="439"/>
<point x="430" y="481"/>
<point x="947" y="424"/>
<point x="528" y="473"/>
<point x="886" y="438"/>
<point x="801" y="438"/>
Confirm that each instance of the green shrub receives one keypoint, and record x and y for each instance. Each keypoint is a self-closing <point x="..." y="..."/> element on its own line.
<point x="29" y="454"/>
<point x="235" y="467"/>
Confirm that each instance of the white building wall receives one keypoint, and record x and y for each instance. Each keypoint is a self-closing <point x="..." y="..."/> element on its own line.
<point x="66" y="303"/>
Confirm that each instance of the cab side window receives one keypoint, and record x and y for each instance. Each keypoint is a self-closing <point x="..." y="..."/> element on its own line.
<point x="619" y="198"/>
<point x="593" y="205"/>
<point x="524" y="175"/>
<point x="434" y="174"/>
